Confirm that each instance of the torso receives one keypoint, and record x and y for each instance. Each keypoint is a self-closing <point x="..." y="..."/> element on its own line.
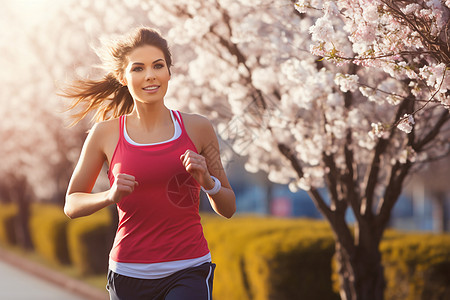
<point x="110" y="133"/>
<point x="159" y="222"/>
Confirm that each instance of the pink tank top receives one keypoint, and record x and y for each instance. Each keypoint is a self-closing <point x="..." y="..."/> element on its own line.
<point x="159" y="221"/>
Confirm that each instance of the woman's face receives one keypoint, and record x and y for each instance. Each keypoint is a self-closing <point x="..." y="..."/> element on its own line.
<point x="146" y="75"/>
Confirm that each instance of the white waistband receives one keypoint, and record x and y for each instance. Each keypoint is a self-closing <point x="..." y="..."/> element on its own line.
<point x="156" y="270"/>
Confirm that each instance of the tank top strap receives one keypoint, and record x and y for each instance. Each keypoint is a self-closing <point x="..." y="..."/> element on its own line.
<point x="121" y="126"/>
<point x="177" y="115"/>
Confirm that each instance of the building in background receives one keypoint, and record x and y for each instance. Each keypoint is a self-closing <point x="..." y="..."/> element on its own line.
<point x="423" y="205"/>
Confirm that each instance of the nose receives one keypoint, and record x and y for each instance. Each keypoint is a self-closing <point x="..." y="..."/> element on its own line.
<point x="150" y="75"/>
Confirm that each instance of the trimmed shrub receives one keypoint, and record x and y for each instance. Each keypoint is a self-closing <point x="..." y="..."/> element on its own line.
<point x="267" y="258"/>
<point x="292" y="264"/>
<point x="417" y="266"/>
<point x="48" y="229"/>
<point x="90" y="240"/>
<point x="229" y="241"/>
<point x="8" y="216"/>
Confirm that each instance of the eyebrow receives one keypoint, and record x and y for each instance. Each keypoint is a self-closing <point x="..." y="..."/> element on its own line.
<point x="141" y="64"/>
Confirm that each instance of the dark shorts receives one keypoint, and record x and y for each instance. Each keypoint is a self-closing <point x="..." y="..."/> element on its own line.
<point x="188" y="284"/>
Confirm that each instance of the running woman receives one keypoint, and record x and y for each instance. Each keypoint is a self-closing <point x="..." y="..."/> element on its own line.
<point x="158" y="160"/>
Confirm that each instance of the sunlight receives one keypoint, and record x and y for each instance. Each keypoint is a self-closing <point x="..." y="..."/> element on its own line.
<point x="31" y="12"/>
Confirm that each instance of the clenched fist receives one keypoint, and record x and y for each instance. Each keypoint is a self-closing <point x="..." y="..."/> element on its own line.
<point x="195" y="164"/>
<point x="123" y="185"/>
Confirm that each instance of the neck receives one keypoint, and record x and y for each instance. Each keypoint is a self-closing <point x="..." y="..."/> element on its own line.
<point x="150" y="117"/>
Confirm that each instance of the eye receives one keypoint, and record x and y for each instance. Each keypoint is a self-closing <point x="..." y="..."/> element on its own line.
<point x="159" y="66"/>
<point x="136" y="69"/>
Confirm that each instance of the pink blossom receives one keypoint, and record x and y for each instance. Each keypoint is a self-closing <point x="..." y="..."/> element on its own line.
<point x="346" y="82"/>
<point x="370" y="13"/>
<point x="406" y="123"/>
<point x="411" y="9"/>
<point x="378" y="131"/>
<point x="322" y="30"/>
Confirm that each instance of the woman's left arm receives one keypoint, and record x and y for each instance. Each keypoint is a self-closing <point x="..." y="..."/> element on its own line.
<point x="208" y="163"/>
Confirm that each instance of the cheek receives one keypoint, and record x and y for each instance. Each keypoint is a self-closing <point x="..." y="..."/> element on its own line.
<point x="166" y="77"/>
<point x="133" y="80"/>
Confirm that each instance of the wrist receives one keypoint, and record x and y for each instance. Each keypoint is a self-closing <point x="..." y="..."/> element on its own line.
<point x="109" y="199"/>
<point x="215" y="189"/>
<point x="209" y="183"/>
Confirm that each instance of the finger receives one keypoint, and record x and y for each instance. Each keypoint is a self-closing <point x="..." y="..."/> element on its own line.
<point x="189" y="153"/>
<point x="126" y="182"/>
<point x="186" y="153"/>
<point x="187" y="159"/>
<point x="125" y="189"/>
<point x="126" y="176"/>
<point x="195" y="167"/>
<point x="192" y="162"/>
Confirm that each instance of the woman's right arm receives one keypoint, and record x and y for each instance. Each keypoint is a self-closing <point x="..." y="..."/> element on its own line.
<point x="79" y="199"/>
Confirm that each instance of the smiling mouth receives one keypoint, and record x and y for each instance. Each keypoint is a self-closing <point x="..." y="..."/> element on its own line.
<point x="151" y="88"/>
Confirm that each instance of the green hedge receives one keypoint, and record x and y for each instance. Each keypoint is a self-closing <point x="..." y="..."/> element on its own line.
<point x="240" y="271"/>
<point x="8" y="216"/>
<point x="291" y="264"/>
<point x="417" y="266"/>
<point x="266" y="258"/>
<point x="48" y="229"/>
<point x="258" y="258"/>
<point x="90" y="240"/>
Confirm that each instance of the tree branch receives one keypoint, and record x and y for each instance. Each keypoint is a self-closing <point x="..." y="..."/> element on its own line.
<point x="318" y="200"/>
<point x="337" y="221"/>
<point x="351" y="187"/>
<point x="445" y="116"/>
<point x="331" y="180"/>
<point x="391" y="194"/>
<point x="380" y="148"/>
<point x="348" y="178"/>
<point x="437" y="47"/>
<point x="372" y="178"/>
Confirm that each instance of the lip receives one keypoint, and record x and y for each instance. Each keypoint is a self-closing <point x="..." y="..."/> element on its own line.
<point x="153" y="88"/>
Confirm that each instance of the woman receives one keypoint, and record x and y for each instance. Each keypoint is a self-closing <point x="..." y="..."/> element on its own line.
<point x="158" y="161"/>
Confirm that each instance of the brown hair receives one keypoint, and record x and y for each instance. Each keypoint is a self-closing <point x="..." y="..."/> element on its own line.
<point x="107" y="96"/>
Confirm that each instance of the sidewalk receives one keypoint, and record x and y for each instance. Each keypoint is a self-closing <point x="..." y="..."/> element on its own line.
<point x="21" y="279"/>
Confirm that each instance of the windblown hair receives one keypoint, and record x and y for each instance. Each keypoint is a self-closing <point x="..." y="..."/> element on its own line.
<point x="107" y="96"/>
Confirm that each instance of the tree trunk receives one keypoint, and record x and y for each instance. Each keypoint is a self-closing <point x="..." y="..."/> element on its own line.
<point x="361" y="273"/>
<point x="269" y="197"/>
<point x="440" y="214"/>
<point x="22" y="226"/>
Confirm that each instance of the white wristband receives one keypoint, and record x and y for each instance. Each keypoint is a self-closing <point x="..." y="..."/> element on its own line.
<point x="215" y="189"/>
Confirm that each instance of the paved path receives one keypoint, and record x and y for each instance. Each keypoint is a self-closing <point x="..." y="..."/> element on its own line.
<point x="21" y="279"/>
<point x="16" y="284"/>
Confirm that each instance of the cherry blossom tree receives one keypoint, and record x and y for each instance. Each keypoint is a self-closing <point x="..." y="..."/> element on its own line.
<point x="46" y="45"/>
<point x="329" y="119"/>
<point x="37" y="150"/>
<point x="407" y="39"/>
<point x="311" y="124"/>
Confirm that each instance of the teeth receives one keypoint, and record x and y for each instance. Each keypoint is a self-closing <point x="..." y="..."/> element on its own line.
<point x="150" y="88"/>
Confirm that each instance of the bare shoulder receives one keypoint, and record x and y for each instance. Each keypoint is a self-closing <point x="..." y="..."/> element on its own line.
<point x="200" y="130"/>
<point x="196" y="121"/>
<point x="105" y="135"/>
<point x="105" y="126"/>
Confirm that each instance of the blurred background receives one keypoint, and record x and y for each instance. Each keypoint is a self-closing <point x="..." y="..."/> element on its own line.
<point x="46" y="44"/>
